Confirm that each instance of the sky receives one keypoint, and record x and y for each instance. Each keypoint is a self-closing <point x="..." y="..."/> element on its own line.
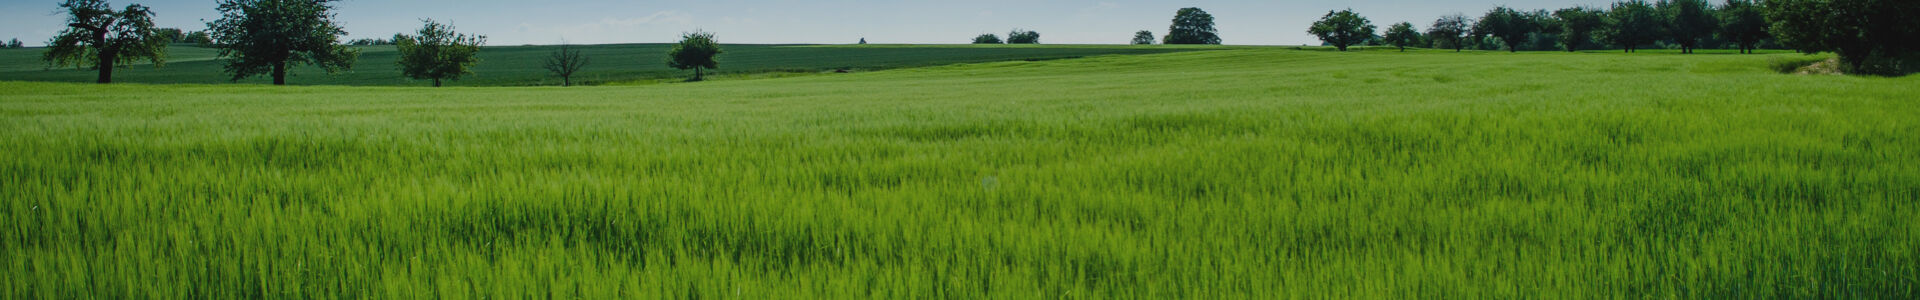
<point x="508" y="22"/>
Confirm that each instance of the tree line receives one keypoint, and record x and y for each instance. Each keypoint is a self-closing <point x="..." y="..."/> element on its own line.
<point x="1870" y="36"/>
<point x="256" y="38"/>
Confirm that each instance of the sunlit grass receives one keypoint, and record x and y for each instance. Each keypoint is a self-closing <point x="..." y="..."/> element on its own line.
<point x="1239" y="173"/>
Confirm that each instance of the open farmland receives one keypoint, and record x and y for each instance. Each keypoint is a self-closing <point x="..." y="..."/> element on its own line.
<point x="1256" y="173"/>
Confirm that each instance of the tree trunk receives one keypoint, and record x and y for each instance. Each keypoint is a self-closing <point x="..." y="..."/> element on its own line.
<point x="436" y="82"/>
<point x="280" y="73"/>
<point x="699" y="74"/>
<point x="106" y="66"/>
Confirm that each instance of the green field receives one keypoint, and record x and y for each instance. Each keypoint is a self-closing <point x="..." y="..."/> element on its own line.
<point x="1245" y="173"/>
<point x="610" y="64"/>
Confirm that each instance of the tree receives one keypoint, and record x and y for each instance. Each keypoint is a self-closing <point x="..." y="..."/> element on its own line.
<point x="15" y="44"/>
<point x="1192" y="26"/>
<point x="566" y="61"/>
<point x="1451" y="30"/>
<point x="1022" y="36"/>
<point x="1508" y="25"/>
<point x="698" y="51"/>
<point x="988" y="38"/>
<point x="1860" y="31"/>
<point x="1402" y="35"/>
<point x="199" y="38"/>
<point x="99" y="37"/>
<point x="1143" y="37"/>
<point x="438" y="53"/>
<point x="1342" y="29"/>
<point x="1687" y="22"/>
<point x="863" y="41"/>
<point x="171" y="35"/>
<point x="266" y="37"/>
<point x="1632" y="23"/>
<point x="1577" y="26"/>
<point x="1743" y="23"/>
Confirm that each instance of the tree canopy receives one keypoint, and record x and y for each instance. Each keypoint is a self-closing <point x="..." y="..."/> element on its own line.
<point x="99" y="37"/>
<point x="1577" y="26"/>
<point x="1450" y="32"/>
<point x="1192" y="26"/>
<point x="697" y="51"/>
<point x="1688" y="21"/>
<point x="1143" y="37"/>
<point x="987" y="38"/>
<point x="438" y="53"/>
<point x="1632" y="23"/>
<point x="1859" y="30"/>
<point x="1342" y="29"/>
<point x="1743" y="23"/>
<point x="1023" y="36"/>
<point x="1508" y="25"/>
<point x="266" y="37"/>
<point x="1402" y="35"/>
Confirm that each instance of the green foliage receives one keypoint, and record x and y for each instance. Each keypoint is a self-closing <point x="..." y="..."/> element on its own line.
<point x="1744" y="23"/>
<point x="1860" y="31"/>
<point x="1402" y="35"/>
<point x="566" y="61"/>
<point x="1192" y="26"/>
<point x="987" y="38"/>
<point x="1283" y="175"/>
<point x="171" y="35"/>
<point x="198" y="38"/>
<point x="14" y="44"/>
<point x="1578" y="25"/>
<point x="1688" y="21"/>
<point x="1143" y="37"/>
<point x="1450" y="32"/>
<point x="863" y="41"/>
<point x="438" y="53"/>
<point x="1510" y="26"/>
<point x="1022" y="36"/>
<point x="1631" y="24"/>
<point x="268" y="37"/>
<point x="696" y="50"/>
<point x="1342" y="29"/>
<point x="100" y="38"/>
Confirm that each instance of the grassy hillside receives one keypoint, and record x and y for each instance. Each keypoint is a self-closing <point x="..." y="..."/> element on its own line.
<point x="521" y="65"/>
<point x="1210" y="174"/>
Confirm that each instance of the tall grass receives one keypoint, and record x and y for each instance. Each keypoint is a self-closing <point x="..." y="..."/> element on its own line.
<point x="1218" y="174"/>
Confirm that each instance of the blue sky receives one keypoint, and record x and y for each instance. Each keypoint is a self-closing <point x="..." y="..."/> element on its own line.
<point x="813" y="22"/>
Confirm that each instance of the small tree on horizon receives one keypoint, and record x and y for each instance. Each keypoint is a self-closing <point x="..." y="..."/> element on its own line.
<point x="1577" y="25"/>
<point x="1023" y="36"/>
<point x="1743" y="23"/>
<point x="1450" y="29"/>
<point x="1192" y="26"/>
<point x="1688" y="21"/>
<point x="1632" y="23"/>
<point x="15" y="44"/>
<point x="564" y="62"/>
<point x="863" y="41"/>
<point x="1143" y="37"/>
<point x="1342" y="29"/>
<point x="438" y="53"/>
<point x="1402" y="35"/>
<point x="101" y="38"/>
<point x="987" y="38"/>
<point x="698" y="51"/>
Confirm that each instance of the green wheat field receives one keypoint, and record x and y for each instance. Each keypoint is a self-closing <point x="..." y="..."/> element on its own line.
<point x="1246" y="172"/>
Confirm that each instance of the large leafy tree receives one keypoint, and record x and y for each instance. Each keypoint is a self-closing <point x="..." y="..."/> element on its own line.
<point x="1577" y="26"/>
<point x="99" y="37"/>
<point x="1402" y="35"/>
<point x="1859" y="30"/>
<point x="1509" y="25"/>
<point x="1342" y="29"/>
<point x="1143" y="37"/>
<point x="987" y="38"/>
<point x="697" y="51"/>
<point x="1023" y="36"/>
<point x="1632" y="23"/>
<point x="1743" y="23"/>
<point x="1687" y="22"/>
<point x="438" y="53"/>
<point x="1192" y="26"/>
<point x="266" y="37"/>
<point x="1450" y="32"/>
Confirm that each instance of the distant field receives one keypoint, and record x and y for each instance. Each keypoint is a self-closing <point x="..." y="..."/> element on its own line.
<point x="1254" y="173"/>
<point x="610" y="64"/>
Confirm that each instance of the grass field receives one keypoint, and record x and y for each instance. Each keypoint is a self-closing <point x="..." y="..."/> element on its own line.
<point x="1255" y="173"/>
<point x="610" y="64"/>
